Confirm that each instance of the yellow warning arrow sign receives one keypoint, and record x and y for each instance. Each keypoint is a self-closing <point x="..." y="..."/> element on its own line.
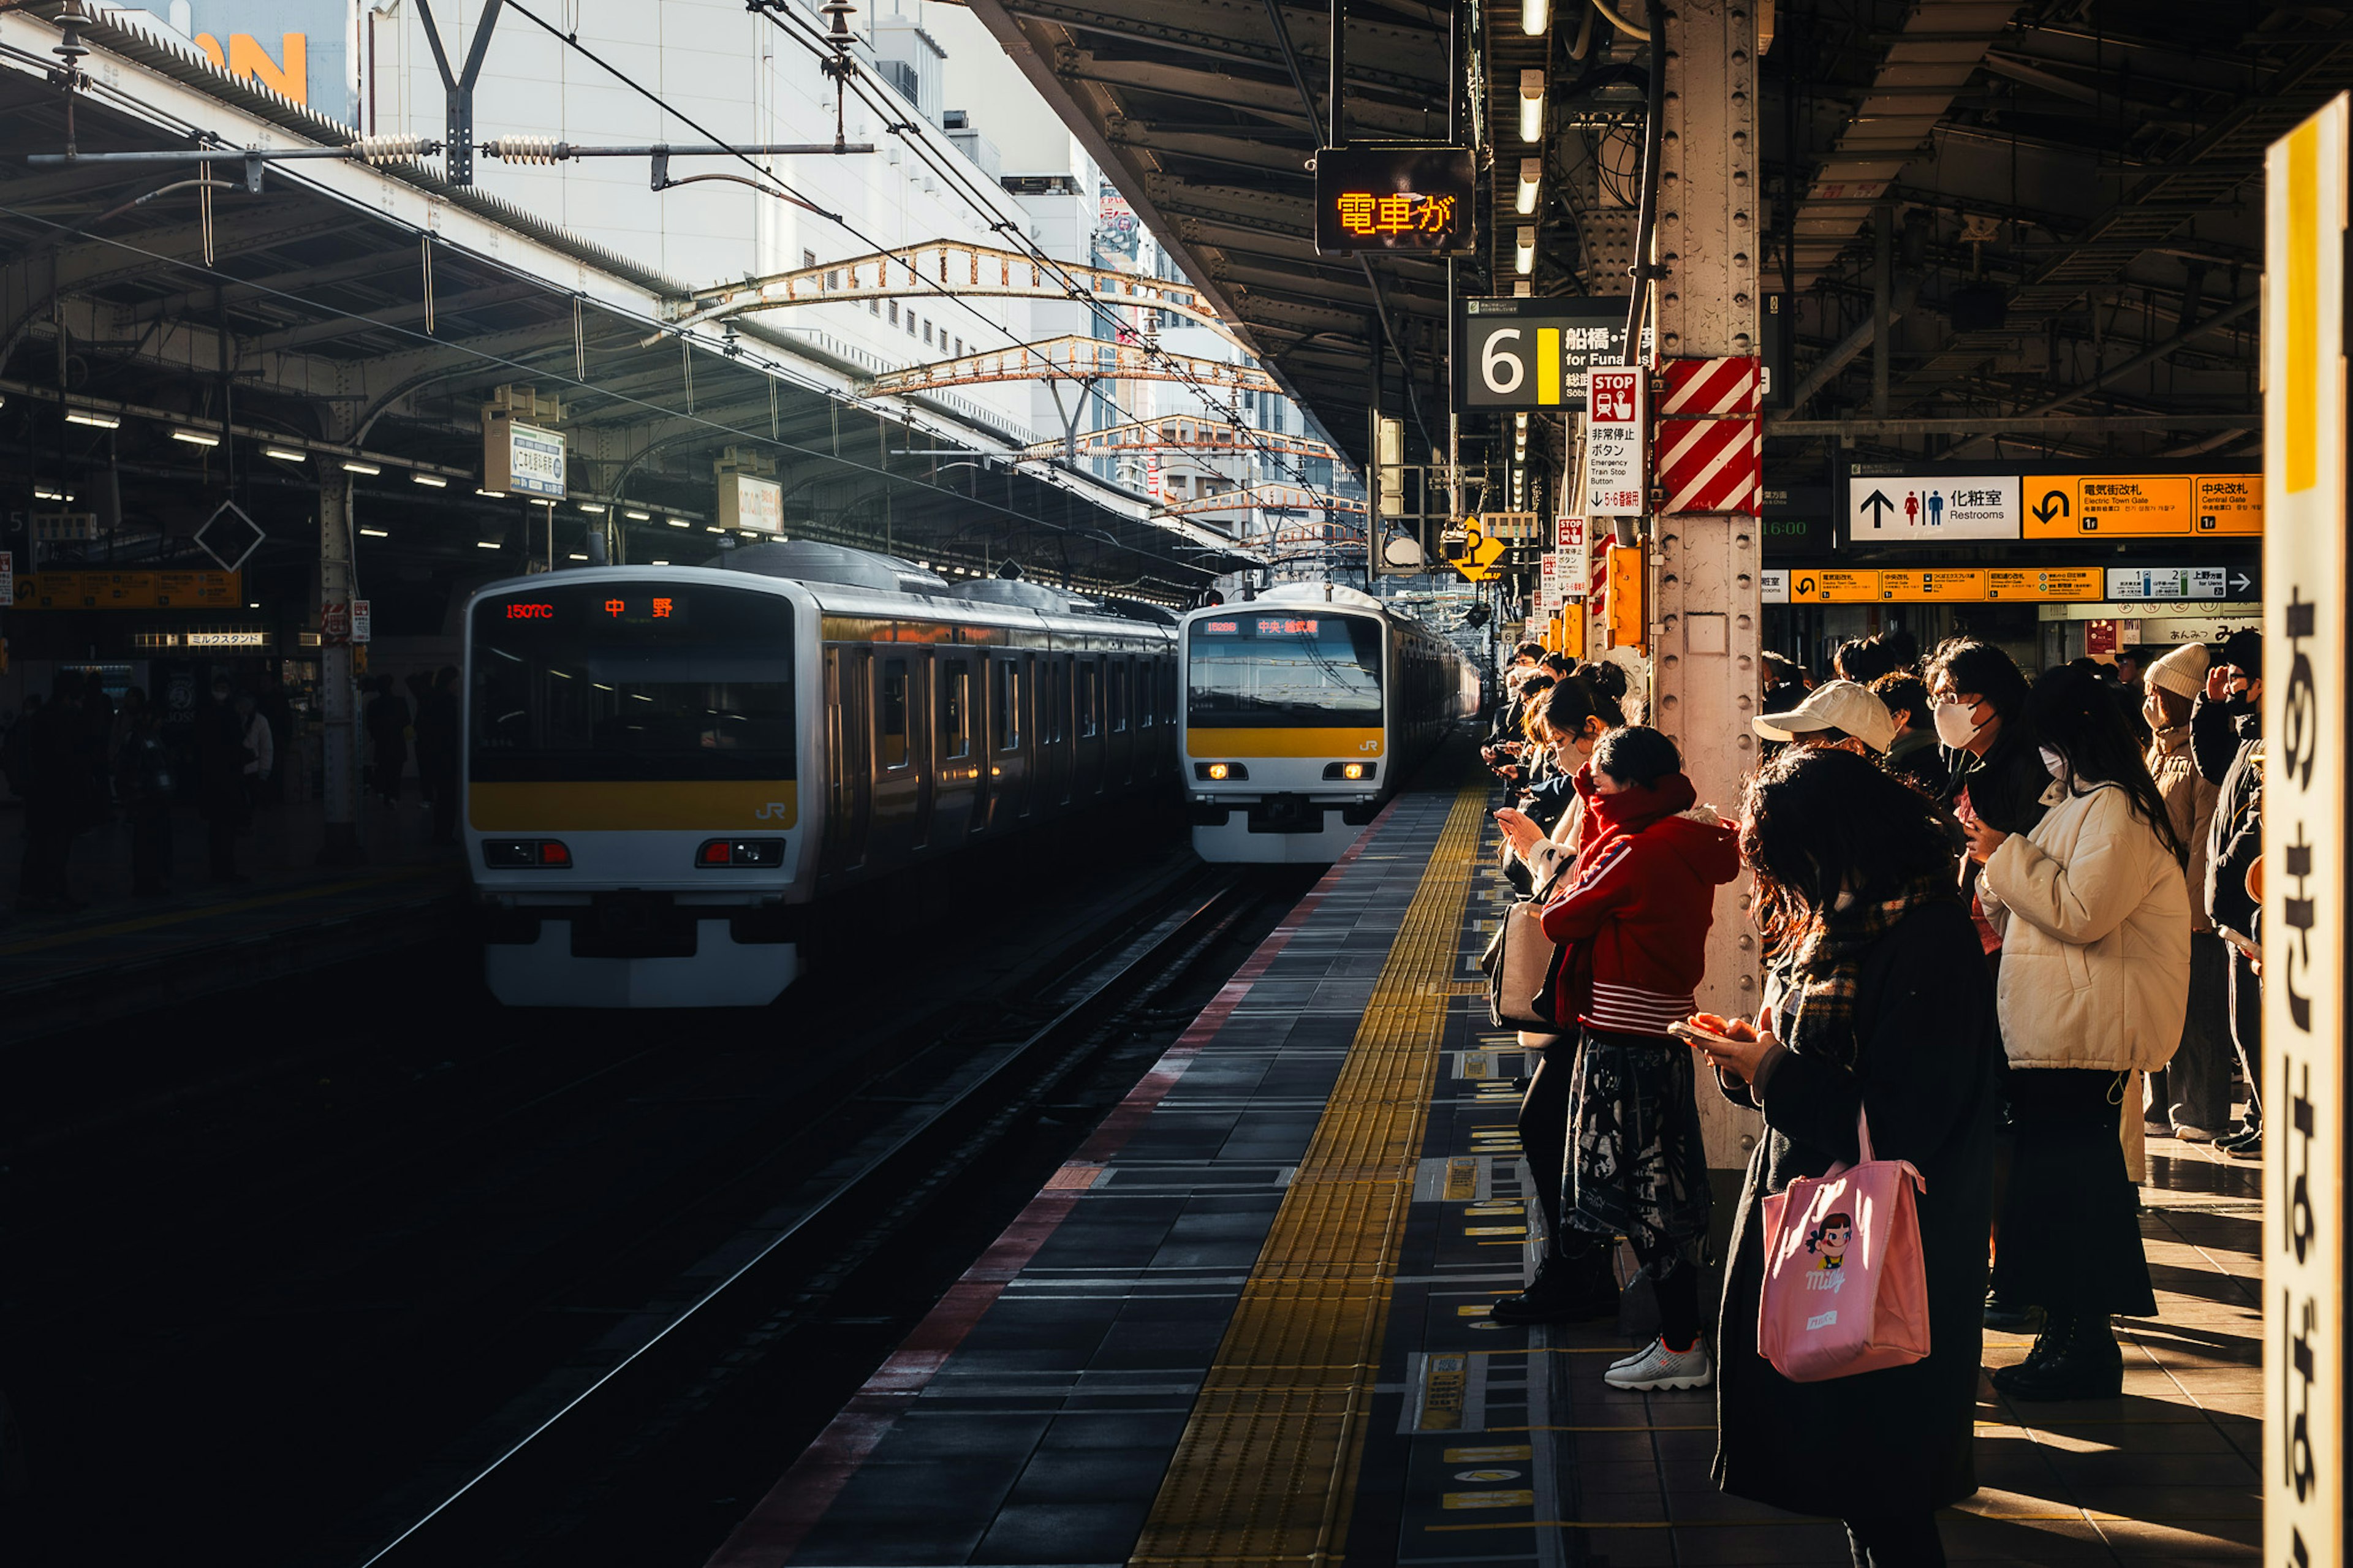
<point x="1480" y="554"/>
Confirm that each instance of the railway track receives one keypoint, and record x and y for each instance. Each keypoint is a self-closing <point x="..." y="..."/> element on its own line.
<point x="192" y="1290"/>
<point x="649" y="1383"/>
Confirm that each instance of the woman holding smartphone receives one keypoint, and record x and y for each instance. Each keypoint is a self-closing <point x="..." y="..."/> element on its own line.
<point x="2095" y="984"/>
<point x="1879" y="1002"/>
<point x="1570" y="1284"/>
<point x="1635" y="921"/>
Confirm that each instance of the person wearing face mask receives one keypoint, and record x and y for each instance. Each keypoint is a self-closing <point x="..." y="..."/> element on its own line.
<point x="2226" y="734"/>
<point x="2191" y="1099"/>
<point x="2093" y="988"/>
<point x="1564" y="1289"/>
<point x="1634" y="925"/>
<point x="1995" y="777"/>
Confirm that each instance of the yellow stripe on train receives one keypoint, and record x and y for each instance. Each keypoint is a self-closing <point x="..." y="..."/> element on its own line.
<point x="1201" y="743"/>
<point x="702" y="805"/>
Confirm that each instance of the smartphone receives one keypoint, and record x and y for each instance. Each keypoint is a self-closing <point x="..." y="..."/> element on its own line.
<point x="1701" y="1038"/>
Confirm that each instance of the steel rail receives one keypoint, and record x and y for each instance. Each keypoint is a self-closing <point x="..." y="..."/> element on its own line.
<point x="975" y="1097"/>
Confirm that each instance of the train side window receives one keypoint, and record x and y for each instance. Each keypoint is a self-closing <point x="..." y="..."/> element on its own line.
<point x="955" y="709"/>
<point x="1147" y="695"/>
<point x="1115" y="680"/>
<point x="1005" y="703"/>
<point x="892" y="736"/>
<point x="1090" y="697"/>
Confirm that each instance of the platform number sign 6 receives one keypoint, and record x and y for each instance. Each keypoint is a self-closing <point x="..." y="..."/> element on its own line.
<point x="1500" y="368"/>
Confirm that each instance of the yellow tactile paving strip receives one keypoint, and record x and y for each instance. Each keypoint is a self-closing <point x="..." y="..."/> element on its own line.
<point x="1266" y="1472"/>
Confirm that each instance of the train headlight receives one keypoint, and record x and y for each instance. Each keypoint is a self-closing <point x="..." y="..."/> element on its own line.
<point x="1217" y="770"/>
<point x="1354" y="773"/>
<point x="1352" y="769"/>
<point x="1220" y="773"/>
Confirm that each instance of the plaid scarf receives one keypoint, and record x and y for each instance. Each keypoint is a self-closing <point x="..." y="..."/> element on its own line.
<point x="1826" y="970"/>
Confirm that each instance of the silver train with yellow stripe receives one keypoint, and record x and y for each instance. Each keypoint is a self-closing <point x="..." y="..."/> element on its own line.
<point x="1304" y="710"/>
<point x="665" y="766"/>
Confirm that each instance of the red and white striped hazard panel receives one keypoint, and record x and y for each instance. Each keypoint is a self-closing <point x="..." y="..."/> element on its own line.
<point x="1711" y="388"/>
<point x="1709" y="465"/>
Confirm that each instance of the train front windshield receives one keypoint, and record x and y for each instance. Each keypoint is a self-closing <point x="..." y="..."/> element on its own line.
<point x="652" y="681"/>
<point x="1283" y="671"/>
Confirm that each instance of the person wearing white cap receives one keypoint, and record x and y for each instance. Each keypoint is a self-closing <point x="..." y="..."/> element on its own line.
<point x="2190" y="1098"/>
<point x="1833" y="714"/>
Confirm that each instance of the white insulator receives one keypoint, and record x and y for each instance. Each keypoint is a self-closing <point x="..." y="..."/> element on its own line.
<point x="526" y="149"/>
<point x="383" y="149"/>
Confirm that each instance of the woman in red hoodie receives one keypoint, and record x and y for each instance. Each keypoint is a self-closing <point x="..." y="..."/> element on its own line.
<point x="1635" y="923"/>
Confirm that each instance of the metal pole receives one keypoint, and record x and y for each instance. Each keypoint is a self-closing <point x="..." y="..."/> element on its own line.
<point x="341" y="846"/>
<point x="1338" y="117"/>
<point x="1882" y="304"/>
<point x="1704" y="640"/>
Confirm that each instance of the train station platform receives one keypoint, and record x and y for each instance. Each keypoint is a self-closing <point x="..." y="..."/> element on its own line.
<point x="1248" y="1323"/>
<point x="121" y="954"/>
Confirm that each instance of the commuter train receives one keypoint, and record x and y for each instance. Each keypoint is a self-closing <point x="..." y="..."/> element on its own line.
<point x="665" y="766"/>
<point x="1304" y="710"/>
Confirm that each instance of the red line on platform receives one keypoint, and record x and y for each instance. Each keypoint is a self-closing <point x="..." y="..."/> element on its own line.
<point x="775" y="1529"/>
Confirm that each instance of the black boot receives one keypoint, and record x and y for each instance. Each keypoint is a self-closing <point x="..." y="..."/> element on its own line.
<point x="2088" y="1364"/>
<point x="1564" y="1290"/>
<point x="2048" y="1345"/>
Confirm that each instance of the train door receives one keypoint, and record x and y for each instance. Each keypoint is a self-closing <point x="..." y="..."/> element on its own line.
<point x="1054" y="726"/>
<point x="898" y="782"/>
<point x="1119" y="739"/>
<point x="849" y="757"/>
<point x="958" y="746"/>
<point x="1009" y="759"/>
<point x="1088" y="715"/>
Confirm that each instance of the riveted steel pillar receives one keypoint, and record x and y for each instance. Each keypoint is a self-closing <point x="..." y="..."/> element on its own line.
<point x="1705" y="639"/>
<point x="338" y="764"/>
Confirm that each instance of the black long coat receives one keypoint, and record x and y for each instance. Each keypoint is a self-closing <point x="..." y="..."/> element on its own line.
<point x="1901" y="1440"/>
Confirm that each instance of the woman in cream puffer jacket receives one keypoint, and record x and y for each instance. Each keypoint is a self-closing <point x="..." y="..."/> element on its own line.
<point x="2095" y="954"/>
<point x="2094" y="906"/>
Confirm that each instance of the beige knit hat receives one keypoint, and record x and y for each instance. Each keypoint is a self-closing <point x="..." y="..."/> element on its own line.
<point x="2182" y="671"/>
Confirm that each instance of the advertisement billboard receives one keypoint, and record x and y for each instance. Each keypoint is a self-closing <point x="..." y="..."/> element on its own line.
<point x="298" y="49"/>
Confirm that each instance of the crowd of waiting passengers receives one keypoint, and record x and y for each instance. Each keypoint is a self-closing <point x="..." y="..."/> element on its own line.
<point x="2010" y="931"/>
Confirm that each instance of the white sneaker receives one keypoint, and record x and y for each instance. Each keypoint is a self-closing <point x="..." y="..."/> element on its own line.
<point x="1656" y="1367"/>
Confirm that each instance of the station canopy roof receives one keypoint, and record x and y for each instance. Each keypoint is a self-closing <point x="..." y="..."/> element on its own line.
<point x="2073" y="195"/>
<point x="350" y="312"/>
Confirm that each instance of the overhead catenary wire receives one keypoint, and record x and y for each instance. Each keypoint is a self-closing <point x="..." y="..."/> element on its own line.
<point x="962" y="184"/>
<point x="381" y="148"/>
<point x="487" y="358"/>
<point x="799" y="29"/>
<point x="925" y="153"/>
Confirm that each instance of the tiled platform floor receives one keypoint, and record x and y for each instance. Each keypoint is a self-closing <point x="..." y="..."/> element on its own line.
<point x="1029" y="1421"/>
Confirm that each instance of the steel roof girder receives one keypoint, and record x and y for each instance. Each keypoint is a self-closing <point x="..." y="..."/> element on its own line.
<point x="1145" y="21"/>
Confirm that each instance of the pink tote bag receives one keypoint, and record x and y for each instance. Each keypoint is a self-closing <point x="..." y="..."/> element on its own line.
<point x="1846" y="1286"/>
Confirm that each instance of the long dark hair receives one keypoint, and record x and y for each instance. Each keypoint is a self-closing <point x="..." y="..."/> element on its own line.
<point x="1816" y="822"/>
<point x="2077" y="716"/>
<point x="1572" y="701"/>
